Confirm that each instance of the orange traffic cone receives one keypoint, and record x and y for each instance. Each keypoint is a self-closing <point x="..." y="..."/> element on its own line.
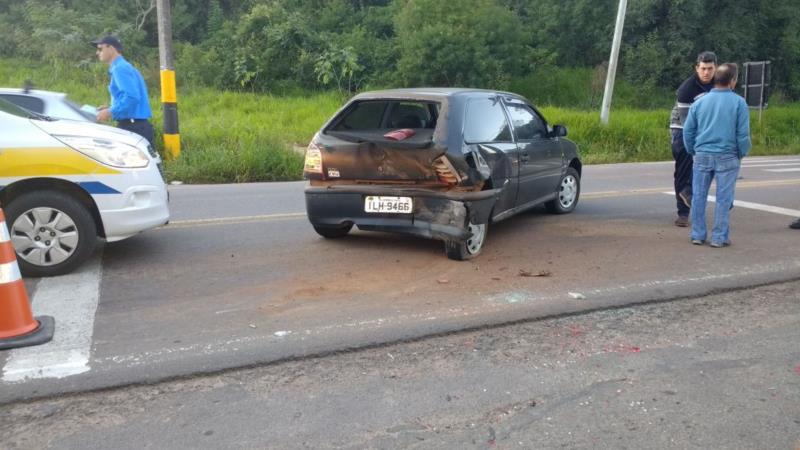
<point x="18" y="328"/>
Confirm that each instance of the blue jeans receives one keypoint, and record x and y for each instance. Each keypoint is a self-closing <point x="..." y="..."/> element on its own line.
<point x="725" y="168"/>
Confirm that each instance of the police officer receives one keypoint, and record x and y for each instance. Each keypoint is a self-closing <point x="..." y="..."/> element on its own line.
<point x="130" y="107"/>
<point x="690" y="90"/>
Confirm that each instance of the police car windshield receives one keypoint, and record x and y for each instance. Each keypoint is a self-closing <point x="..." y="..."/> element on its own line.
<point x="10" y="108"/>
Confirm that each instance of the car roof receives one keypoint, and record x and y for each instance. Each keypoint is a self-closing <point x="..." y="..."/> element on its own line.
<point x="33" y="92"/>
<point x="429" y="92"/>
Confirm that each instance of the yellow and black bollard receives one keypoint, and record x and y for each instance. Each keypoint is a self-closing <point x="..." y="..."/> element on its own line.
<point x="169" y="100"/>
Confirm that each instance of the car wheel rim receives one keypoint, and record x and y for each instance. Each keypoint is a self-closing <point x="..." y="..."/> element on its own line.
<point x="44" y="236"/>
<point x="475" y="241"/>
<point x="568" y="191"/>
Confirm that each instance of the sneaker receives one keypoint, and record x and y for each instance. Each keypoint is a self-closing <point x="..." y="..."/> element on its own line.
<point x="698" y="241"/>
<point x="682" y="221"/>
<point x="686" y="198"/>
<point x="795" y="225"/>
<point x="721" y="244"/>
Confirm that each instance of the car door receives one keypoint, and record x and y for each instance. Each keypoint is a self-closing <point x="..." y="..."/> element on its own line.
<point x="487" y="131"/>
<point x="539" y="155"/>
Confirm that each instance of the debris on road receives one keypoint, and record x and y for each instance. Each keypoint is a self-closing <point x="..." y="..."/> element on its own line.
<point x="577" y="295"/>
<point x="528" y="273"/>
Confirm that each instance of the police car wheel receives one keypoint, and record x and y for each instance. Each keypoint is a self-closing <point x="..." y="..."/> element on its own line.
<point x="52" y="232"/>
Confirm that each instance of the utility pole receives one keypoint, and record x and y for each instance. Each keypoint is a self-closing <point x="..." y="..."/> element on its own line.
<point x="169" y="96"/>
<point x="612" y="63"/>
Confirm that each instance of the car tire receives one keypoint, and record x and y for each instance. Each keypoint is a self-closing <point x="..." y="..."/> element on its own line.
<point x="52" y="232"/>
<point x="469" y="248"/>
<point x="333" y="232"/>
<point x="567" y="193"/>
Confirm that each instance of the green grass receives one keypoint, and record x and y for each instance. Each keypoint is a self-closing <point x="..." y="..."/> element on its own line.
<point x="642" y="135"/>
<point x="241" y="137"/>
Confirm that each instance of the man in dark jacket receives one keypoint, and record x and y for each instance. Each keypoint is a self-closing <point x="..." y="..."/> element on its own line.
<point x="690" y="90"/>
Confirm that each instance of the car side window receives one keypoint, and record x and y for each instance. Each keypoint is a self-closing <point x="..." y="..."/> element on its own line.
<point x="486" y="122"/>
<point x="25" y="101"/>
<point x="527" y="124"/>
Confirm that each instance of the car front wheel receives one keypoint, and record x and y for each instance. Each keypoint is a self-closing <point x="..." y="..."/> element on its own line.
<point x="567" y="193"/>
<point x="52" y="233"/>
<point x="469" y="248"/>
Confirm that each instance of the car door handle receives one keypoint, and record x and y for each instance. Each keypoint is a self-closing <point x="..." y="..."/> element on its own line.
<point x="524" y="157"/>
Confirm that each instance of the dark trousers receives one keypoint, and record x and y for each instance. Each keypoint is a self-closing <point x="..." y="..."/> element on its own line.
<point x="141" y="127"/>
<point x="683" y="170"/>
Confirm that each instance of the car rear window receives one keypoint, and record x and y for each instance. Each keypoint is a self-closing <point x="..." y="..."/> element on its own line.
<point x="388" y="114"/>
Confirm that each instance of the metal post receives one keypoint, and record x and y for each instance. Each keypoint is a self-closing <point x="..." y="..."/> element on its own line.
<point x="169" y="96"/>
<point x="612" y="64"/>
<point x="763" y="88"/>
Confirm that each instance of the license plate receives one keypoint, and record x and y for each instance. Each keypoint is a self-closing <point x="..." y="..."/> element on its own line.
<point x="390" y="205"/>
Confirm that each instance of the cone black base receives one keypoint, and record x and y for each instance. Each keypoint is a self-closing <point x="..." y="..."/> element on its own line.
<point x="41" y="335"/>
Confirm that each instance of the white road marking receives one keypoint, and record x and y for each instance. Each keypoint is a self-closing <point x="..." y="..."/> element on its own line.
<point x="756" y="206"/>
<point x="72" y="301"/>
<point x="797" y="169"/>
<point x="771" y="165"/>
<point x="761" y="159"/>
<point x="229" y="220"/>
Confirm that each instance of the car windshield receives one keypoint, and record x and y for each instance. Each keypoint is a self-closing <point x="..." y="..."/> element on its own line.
<point x="10" y="108"/>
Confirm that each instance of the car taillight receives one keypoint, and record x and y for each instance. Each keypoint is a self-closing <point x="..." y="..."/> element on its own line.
<point x="445" y="171"/>
<point x="313" y="163"/>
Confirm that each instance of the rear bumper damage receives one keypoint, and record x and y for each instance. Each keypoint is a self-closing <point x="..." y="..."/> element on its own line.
<point x="435" y="215"/>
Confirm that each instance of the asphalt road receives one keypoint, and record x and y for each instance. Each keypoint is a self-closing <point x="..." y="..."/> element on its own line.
<point x="714" y="372"/>
<point x="239" y="278"/>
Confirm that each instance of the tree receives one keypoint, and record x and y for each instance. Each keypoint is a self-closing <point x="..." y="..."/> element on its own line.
<point x="460" y="42"/>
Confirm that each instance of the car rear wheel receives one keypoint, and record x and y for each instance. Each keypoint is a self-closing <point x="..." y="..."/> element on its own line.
<point x="469" y="248"/>
<point x="569" y="189"/>
<point x="52" y="233"/>
<point x="333" y="232"/>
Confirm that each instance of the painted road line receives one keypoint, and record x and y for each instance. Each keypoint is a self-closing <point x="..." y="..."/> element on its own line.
<point x="782" y="170"/>
<point x="660" y="190"/>
<point x="72" y="301"/>
<point x="768" y="160"/>
<point x="756" y="206"/>
<point x="192" y="223"/>
<point x="230" y="220"/>
<point x="772" y="165"/>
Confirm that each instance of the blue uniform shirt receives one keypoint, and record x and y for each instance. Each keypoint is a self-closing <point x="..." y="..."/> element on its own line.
<point x="128" y="92"/>
<point x="718" y="122"/>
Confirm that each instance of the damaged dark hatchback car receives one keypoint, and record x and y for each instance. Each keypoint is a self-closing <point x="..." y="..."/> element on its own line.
<point x="438" y="163"/>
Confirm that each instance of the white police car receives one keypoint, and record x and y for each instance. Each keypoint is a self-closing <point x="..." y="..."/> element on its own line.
<point x="65" y="183"/>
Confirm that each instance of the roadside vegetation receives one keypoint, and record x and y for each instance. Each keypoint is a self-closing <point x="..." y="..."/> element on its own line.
<point x="244" y="136"/>
<point x="257" y="78"/>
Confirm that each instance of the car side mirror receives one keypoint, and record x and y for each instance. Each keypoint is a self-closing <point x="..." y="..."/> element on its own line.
<point x="559" y="131"/>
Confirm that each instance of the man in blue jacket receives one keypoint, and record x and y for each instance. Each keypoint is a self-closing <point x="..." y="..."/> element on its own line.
<point x="717" y="134"/>
<point x="130" y="107"/>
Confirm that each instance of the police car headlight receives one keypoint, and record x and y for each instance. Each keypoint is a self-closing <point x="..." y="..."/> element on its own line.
<point x="106" y="151"/>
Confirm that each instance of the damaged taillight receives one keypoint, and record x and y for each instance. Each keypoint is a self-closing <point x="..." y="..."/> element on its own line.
<point x="445" y="171"/>
<point x="313" y="162"/>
